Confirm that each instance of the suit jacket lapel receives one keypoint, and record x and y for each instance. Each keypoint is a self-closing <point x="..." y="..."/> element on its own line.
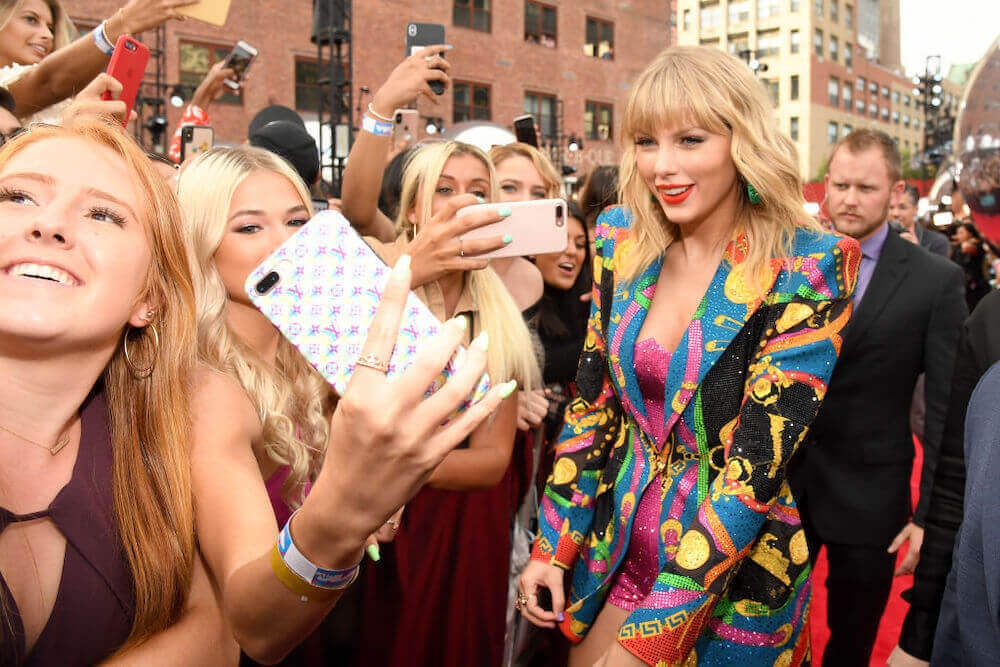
<point x="890" y="269"/>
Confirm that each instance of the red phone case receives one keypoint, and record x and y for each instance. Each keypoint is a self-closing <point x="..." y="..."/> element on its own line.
<point x="128" y="65"/>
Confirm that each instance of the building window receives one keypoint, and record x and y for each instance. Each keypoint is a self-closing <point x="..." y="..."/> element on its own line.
<point x="860" y="105"/>
<point x="543" y="108"/>
<point x="834" y="10"/>
<point x="873" y="110"/>
<point x="848" y="55"/>
<point x="768" y="43"/>
<point x="739" y="12"/>
<point x="873" y="88"/>
<point x="834" y="48"/>
<point x="597" y="121"/>
<point x="307" y="90"/>
<point x="818" y="42"/>
<point x="539" y="24"/>
<point x="849" y="17"/>
<point x="471" y="101"/>
<point x="793" y="89"/>
<point x="885" y="114"/>
<point x="687" y="20"/>
<point x="832" y="132"/>
<point x="600" y="39"/>
<point x="793" y="128"/>
<point x="818" y="8"/>
<point x="906" y="100"/>
<point x="833" y="91"/>
<point x="793" y="6"/>
<point x="916" y="123"/>
<point x="847" y="94"/>
<point x="906" y="120"/>
<point x="767" y="8"/>
<point x="895" y="117"/>
<point x="773" y="91"/>
<point x="895" y="97"/>
<point x="794" y="41"/>
<point x="846" y="130"/>
<point x="473" y="14"/>
<point x="885" y="92"/>
<point x="861" y="84"/>
<point x="711" y="17"/>
<point x="739" y="44"/>
<point x="195" y="61"/>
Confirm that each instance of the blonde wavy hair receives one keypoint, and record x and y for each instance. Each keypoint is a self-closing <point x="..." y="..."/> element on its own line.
<point x="510" y="353"/>
<point x="63" y="33"/>
<point x="717" y="92"/>
<point x="550" y="177"/>
<point x="148" y="418"/>
<point x="290" y="398"/>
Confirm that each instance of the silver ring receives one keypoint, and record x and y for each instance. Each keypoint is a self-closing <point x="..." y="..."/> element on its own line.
<point x="461" y="251"/>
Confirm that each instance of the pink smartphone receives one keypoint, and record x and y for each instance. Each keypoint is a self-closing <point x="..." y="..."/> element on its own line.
<point x="128" y="65"/>
<point x="321" y="288"/>
<point x="538" y="227"/>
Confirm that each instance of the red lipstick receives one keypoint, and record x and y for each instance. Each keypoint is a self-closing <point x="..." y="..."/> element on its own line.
<point x="677" y="197"/>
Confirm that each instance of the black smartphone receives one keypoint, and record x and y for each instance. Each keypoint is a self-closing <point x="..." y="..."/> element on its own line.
<point x="419" y="35"/>
<point x="524" y="130"/>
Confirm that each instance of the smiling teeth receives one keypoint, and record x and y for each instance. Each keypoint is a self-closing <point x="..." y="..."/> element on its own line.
<point x="42" y="271"/>
<point x="675" y="191"/>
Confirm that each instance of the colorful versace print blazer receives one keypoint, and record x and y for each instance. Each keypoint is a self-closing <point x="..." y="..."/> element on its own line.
<point x="742" y="388"/>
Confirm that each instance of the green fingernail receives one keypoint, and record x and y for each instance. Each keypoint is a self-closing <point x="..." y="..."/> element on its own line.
<point x="504" y="212"/>
<point x="373" y="553"/>
<point x="508" y="388"/>
<point x="480" y="200"/>
<point x="507" y="238"/>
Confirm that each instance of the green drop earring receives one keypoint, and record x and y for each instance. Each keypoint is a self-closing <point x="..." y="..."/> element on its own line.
<point x="753" y="195"/>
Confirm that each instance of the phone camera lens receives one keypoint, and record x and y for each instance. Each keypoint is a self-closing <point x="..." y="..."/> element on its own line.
<point x="130" y="46"/>
<point x="559" y="211"/>
<point x="399" y="119"/>
<point x="265" y="284"/>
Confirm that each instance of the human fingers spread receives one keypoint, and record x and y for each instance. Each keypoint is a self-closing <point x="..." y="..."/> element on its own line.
<point x="377" y="349"/>
<point x="457" y="430"/>
<point x="428" y="365"/>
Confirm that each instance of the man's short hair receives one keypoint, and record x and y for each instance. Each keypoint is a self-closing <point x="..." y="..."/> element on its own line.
<point x="861" y="140"/>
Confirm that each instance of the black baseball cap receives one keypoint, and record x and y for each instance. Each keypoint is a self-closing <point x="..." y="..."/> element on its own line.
<point x="290" y="141"/>
<point x="272" y="113"/>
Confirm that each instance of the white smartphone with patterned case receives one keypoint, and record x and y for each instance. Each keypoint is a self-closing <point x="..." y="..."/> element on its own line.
<point x="321" y="288"/>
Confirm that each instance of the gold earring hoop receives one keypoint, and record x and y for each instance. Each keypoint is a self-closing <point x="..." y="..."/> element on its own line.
<point x="142" y="373"/>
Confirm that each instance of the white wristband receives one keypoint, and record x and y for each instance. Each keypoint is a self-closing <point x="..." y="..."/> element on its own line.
<point x="101" y="39"/>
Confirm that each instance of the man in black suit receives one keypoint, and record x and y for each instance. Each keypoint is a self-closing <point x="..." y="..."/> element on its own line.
<point x="903" y="210"/>
<point x="852" y="477"/>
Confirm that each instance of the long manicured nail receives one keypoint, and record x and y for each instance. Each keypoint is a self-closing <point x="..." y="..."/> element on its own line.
<point x="508" y="388"/>
<point x="561" y="617"/>
<point x="461" y="321"/>
<point x="482" y="341"/>
<point x="504" y="212"/>
<point x="480" y="200"/>
<point x="402" y="268"/>
<point x="373" y="553"/>
<point x="449" y="47"/>
<point x="508" y="238"/>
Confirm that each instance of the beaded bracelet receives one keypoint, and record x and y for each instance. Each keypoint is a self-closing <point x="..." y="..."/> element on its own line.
<point x="101" y="41"/>
<point x="377" y="127"/>
<point x="302" y="576"/>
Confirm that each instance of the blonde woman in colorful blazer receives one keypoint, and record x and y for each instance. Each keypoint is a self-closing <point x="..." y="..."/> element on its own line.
<point x="716" y="322"/>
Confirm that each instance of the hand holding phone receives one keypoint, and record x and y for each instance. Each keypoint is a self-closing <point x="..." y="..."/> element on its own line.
<point x="419" y="35"/>
<point x="239" y="60"/>
<point x="536" y="227"/>
<point x="128" y="64"/>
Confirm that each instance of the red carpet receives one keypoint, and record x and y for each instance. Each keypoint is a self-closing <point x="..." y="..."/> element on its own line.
<point x="895" y="612"/>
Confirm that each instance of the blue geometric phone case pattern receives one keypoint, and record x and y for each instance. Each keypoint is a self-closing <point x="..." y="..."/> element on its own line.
<point x="328" y="286"/>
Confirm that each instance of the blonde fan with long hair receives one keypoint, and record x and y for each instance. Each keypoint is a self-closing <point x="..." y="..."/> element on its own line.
<point x="717" y="317"/>
<point x="288" y="395"/>
<point x="98" y="311"/>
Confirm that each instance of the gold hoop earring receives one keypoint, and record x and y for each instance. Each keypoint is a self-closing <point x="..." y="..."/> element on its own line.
<point x="142" y="373"/>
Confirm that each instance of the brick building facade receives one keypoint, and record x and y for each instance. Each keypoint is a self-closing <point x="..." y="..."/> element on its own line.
<point x="562" y="59"/>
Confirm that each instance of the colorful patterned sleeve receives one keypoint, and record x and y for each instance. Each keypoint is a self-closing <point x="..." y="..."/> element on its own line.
<point x="589" y="432"/>
<point x="785" y="384"/>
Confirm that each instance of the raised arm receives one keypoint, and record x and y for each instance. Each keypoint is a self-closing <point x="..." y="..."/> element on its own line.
<point x="65" y="72"/>
<point x="369" y="154"/>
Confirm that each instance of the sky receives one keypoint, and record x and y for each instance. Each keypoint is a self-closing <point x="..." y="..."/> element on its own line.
<point x="959" y="34"/>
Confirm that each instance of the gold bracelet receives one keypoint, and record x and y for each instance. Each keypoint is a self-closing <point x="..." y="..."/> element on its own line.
<point x="293" y="582"/>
